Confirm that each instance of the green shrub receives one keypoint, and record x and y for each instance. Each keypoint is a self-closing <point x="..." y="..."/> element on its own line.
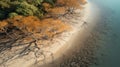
<point x="26" y="9"/>
<point x="11" y="8"/>
<point x="4" y="4"/>
<point x="11" y="15"/>
<point x="35" y="2"/>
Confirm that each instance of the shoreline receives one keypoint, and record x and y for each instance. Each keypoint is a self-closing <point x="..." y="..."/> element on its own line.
<point x="78" y="31"/>
<point x="61" y="45"/>
<point x="81" y="45"/>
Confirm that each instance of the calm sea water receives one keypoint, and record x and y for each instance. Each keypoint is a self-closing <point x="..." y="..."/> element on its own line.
<point x="110" y="24"/>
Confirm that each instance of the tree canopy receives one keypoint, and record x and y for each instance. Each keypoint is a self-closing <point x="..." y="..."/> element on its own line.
<point x="11" y="8"/>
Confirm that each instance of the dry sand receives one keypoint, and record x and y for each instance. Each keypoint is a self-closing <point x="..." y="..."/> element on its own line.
<point x="73" y="52"/>
<point x="64" y="48"/>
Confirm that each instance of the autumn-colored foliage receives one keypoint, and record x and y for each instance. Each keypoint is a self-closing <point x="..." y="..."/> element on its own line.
<point x="71" y="3"/>
<point x="54" y="10"/>
<point x="39" y="8"/>
<point x="62" y="6"/>
<point x="2" y="25"/>
<point x="30" y="22"/>
<point x="46" y="27"/>
<point x="11" y="8"/>
<point x="57" y="10"/>
<point x="83" y="1"/>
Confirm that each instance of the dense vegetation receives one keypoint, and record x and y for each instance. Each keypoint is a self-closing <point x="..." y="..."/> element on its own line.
<point x="11" y="8"/>
<point x="28" y="24"/>
<point x="25" y="14"/>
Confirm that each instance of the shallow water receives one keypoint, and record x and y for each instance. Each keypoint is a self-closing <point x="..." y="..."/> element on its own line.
<point x="109" y="24"/>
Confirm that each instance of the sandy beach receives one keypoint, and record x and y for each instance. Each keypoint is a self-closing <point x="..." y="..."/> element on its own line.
<point x="75" y="42"/>
<point x="59" y="33"/>
<point x="64" y="46"/>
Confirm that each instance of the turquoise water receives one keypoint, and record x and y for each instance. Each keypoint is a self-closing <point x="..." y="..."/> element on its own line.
<point x="110" y="19"/>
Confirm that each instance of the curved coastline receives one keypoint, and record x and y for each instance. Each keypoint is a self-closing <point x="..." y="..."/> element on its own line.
<point x="76" y="37"/>
<point x="63" y="45"/>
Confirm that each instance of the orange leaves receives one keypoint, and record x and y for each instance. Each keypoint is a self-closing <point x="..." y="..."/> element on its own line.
<point x="61" y="6"/>
<point x="83" y="1"/>
<point x="46" y="27"/>
<point x="57" y="10"/>
<point x="3" y="24"/>
<point x="29" y="23"/>
<point x="71" y="3"/>
<point x="46" y="6"/>
<point x="50" y="27"/>
<point x="54" y="26"/>
<point x="54" y="10"/>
